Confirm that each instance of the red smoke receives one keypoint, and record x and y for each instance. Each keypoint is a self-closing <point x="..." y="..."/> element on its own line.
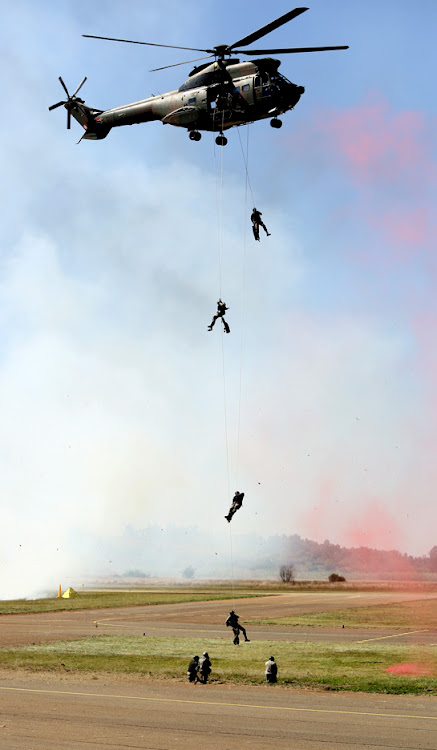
<point x="414" y="669"/>
<point x="389" y="157"/>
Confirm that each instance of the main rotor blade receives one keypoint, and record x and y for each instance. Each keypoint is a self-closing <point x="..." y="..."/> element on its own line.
<point x="68" y="119"/>
<point x="149" y="44"/>
<point x="185" y="62"/>
<point x="284" y="51"/>
<point x="79" y="87"/>
<point x="64" y="87"/>
<point x="56" y="105"/>
<point x="268" y="28"/>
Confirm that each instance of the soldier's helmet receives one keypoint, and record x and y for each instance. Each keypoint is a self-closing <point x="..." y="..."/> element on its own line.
<point x="232" y="612"/>
<point x="196" y="658"/>
<point x="205" y="653"/>
<point x="272" y="658"/>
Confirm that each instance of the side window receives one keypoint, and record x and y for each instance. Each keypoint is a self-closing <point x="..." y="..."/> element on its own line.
<point x="192" y="100"/>
<point x="257" y="80"/>
<point x="246" y="87"/>
<point x="236" y="89"/>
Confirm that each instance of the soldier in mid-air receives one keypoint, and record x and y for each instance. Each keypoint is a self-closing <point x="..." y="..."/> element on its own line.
<point x="257" y="222"/>
<point x="237" y="502"/>
<point x="221" y="309"/>
<point x="232" y="622"/>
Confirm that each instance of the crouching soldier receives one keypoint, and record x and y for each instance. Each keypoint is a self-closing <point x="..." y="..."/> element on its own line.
<point x="193" y="669"/>
<point x="271" y="670"/>
<point x="204" y="668"/>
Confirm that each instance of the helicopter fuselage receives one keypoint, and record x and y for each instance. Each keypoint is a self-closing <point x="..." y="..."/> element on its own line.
<point x="215" y="97"/>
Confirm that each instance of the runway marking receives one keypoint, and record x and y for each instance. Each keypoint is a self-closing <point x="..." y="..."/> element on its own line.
<point x="219" y="703"/>
<point x="396" y="635"/>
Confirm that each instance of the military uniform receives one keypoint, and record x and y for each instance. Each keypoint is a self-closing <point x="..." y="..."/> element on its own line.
<point x="204" y="667"/>
<point x="271" y="670"/>
<point x="232" y="622"/>
<point x="257" y="222"/>
<point x="237" y="502"/>
<point x="193" y="669"/>
<point x="221" y="309"/>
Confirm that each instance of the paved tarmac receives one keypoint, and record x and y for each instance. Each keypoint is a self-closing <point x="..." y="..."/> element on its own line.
<point x="66" y="714"/>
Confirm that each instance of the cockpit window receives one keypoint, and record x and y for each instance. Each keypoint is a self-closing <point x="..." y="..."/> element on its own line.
<point x="203" y="79"/>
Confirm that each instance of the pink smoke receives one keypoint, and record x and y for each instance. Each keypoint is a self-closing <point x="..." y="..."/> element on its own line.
<point x="389" y="158"/>
<point x="414" y="669"/>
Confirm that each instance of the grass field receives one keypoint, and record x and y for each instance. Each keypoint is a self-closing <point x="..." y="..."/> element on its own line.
<point x="102" y="599"/>
<point x="196" y="592"/>
<point x="354" y="667"/>
<point x="420" y="614"/>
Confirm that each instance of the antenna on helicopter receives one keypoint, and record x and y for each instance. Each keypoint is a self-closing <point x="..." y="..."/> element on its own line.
<point x="70" y="100"/>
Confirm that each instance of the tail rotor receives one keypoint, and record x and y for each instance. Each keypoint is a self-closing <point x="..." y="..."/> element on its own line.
<point x="70" y="101"/>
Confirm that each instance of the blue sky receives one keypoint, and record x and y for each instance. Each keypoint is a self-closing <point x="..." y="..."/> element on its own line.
<point x="112" y="391"/>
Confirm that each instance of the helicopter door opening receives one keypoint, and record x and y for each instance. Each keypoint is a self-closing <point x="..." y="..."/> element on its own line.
<point x="262" y="87"/>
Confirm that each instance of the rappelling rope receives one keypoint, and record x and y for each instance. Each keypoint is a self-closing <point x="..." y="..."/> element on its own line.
<point x="219" y="212"/>
<point x="246" y="162"/>
<point x="243" y="283"/>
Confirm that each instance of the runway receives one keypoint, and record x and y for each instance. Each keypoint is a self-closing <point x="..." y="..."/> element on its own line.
<point x="206" y="619"/>
<point x="66" y="714"/>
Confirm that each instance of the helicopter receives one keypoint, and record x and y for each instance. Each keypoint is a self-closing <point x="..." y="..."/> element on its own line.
<point x="216" y="96"/>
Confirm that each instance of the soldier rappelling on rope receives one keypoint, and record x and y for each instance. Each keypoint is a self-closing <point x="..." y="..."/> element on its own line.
<point x="257" y="222"/>
<point x="221" y="309"/>
<point x="232" y="622"/>
<point x="237" y="502"/>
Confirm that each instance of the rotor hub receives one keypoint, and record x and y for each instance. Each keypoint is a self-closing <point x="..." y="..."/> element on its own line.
<point x="221" y="50"/>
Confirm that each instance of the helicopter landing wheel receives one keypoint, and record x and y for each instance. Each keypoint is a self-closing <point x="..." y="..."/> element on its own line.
<point x="221" y="140"/>
<point x="275" y="123"/>
<point x="194" y="135"/>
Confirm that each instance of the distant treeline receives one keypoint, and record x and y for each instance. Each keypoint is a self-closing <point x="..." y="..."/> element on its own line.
<point x="313" y="560"/>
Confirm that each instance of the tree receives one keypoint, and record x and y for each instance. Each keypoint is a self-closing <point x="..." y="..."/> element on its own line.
<point x="433" y="559"/>
<point x="286" y="573"/>
<point x="335" y="578"/>
<point x="188" y="572"/>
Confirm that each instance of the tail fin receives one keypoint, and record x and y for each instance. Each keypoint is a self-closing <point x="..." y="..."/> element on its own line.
<point x="86" y="116"/>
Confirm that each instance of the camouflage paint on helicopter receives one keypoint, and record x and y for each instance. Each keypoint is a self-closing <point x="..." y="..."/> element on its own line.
<point x="215" y="97"/>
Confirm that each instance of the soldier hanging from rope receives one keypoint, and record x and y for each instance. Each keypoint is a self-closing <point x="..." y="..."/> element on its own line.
<point x="257" y="222"/>
<point x="232" y="622"/>
<point x="237" y="502"/>
<point x="221" y="309"/>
